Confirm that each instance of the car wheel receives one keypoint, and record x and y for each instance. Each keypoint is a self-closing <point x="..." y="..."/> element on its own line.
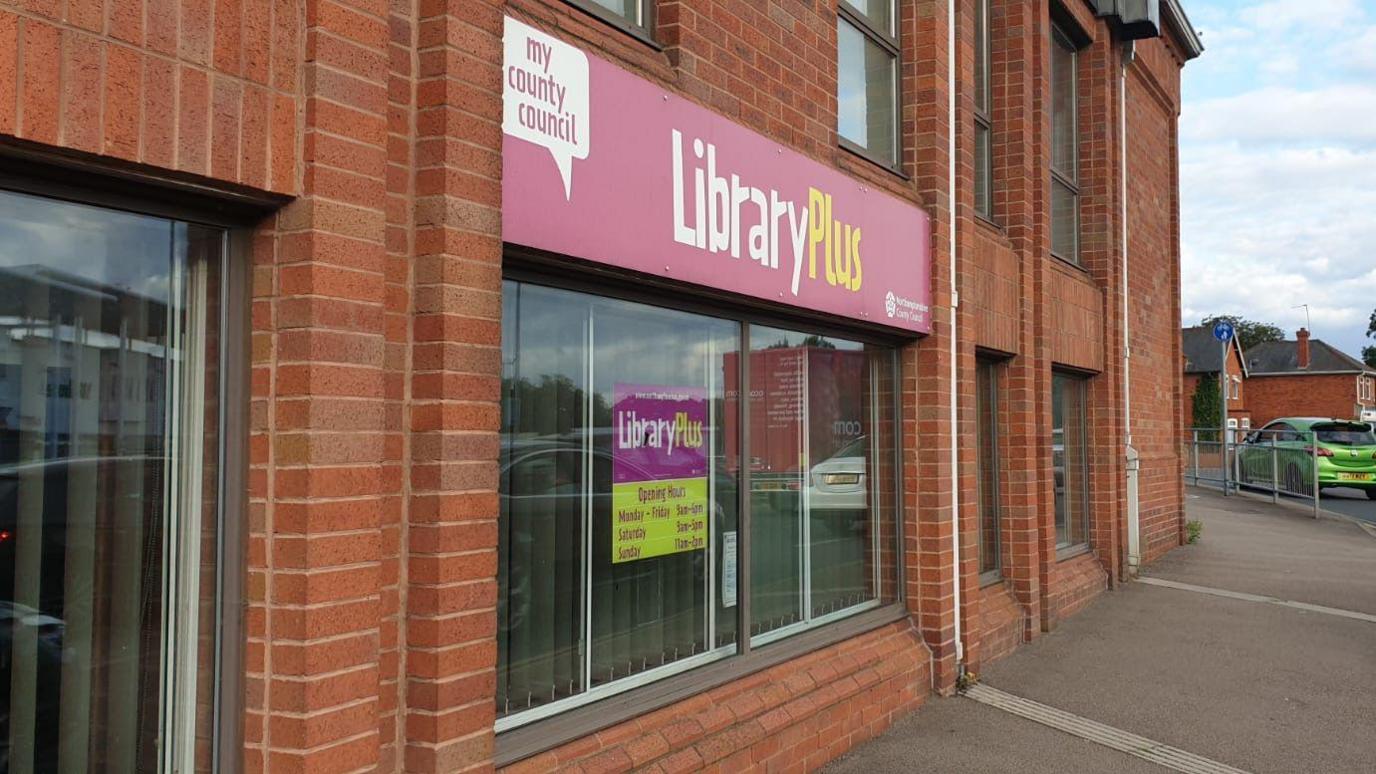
<point x="1371" y="494"/>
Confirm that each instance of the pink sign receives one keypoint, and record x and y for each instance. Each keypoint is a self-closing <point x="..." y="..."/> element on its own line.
<point x="606" y="166"/>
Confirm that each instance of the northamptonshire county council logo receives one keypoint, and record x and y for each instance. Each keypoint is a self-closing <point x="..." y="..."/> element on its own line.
<point x="890" y="304"/>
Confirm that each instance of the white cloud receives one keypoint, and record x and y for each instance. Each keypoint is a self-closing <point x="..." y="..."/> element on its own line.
<point x="1278" y="165"/>
<point x="1341" y="111"/>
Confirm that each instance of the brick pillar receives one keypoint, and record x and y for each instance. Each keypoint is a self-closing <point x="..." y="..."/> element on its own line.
<point x="1018" y="74"/>
<point x="967" y="373"/>
<point x="928" y="472"/>
<point x="456" y="339"/>
<point x="1101" y="254"/>
<point x="323" y="477"/>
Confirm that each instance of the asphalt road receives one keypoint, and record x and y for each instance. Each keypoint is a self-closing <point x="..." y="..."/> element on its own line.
<point x="1349" y="502"/>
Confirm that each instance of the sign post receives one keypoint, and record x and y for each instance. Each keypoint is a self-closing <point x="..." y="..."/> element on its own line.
<point x="1223" y="331"/>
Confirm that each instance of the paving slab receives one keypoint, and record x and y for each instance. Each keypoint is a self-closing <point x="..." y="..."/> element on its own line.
<point x="1261" y="687"/>
<point x="1253" y="546"/>
<point x="960" y="736"/>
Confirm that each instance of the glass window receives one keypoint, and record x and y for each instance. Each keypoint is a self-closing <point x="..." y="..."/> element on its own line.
<point x="109" y="482"/>
<point x="622" y="448"/>
<point x="984" y="161"/>
<point x="1065" y="143"/>
<point x="821" y="478"/>
<point x="867" y="78"/>
<point x="612" y="465"/>
<point x="1069" y="459"/>
<point x="632" y="11"/>
<point x="987" y="467"/>
<point x="1345" y="434"/>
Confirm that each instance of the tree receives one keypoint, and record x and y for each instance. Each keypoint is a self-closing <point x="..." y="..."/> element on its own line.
<point x="1206" y="406"/>
<point x="1250" y="332"/>
<point x="1369" y="356"/>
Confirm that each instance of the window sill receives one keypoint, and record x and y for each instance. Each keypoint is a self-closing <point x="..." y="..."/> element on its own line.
<point x="991" y="578"/>
<point x="539" y="736"/>
<point x="856" y="150"/>
<point x="989" y="223"/>
<point x="1070" y="552"/>
<point x="1066" y="262"/>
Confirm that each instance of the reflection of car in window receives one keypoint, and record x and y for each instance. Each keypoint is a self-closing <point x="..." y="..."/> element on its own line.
<point x="838" y="482"/>
<point x="543" y="495"/>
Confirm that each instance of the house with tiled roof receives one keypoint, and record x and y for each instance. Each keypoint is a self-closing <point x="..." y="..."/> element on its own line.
<point x="1307" y="377"/>
<point x="1204" y="358"/>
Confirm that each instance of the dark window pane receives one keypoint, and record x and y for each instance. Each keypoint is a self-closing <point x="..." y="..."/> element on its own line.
<point x="108" y="485"/>
<point x="987" y="466"/>
<point x="1354" y="434"/>
<point x="1065" y="221"/>
<point x="1064" y="140"/>
<point x="982" y="56"/>
<point x="627" y="9"/>
<point x="866" y="95"/>
<point x="1070" y="461"/>
<point x="983" y="170"/>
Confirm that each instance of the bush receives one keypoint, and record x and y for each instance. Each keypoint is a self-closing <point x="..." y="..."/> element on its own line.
<point x="1206" y="406"/>
<point x="1193" y="531"/>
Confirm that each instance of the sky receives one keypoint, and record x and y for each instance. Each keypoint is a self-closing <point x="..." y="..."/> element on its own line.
<point x="1278" y="165"/>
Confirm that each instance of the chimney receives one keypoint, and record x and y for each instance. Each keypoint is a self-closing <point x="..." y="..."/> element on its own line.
<point x="1302" y="338"/>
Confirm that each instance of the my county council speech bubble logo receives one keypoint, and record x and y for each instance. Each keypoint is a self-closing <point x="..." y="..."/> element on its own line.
<point x="890" y="304"/>
<point x="545" y="95"/>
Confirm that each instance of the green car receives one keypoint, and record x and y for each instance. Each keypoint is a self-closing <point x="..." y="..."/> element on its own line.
<point x="1346" y="449"/>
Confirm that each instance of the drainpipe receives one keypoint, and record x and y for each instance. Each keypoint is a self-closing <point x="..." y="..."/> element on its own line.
<point x="955" y="302"/>
<point x="1130" y="454"/>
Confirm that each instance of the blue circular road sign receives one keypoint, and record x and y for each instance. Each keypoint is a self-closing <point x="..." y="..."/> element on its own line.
<point x="1223" y="330"/>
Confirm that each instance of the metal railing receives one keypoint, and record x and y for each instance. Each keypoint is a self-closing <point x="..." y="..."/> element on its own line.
<point x="1284" y="463"/>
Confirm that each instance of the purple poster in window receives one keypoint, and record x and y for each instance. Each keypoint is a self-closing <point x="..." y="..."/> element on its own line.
<point x="659" y="470"/>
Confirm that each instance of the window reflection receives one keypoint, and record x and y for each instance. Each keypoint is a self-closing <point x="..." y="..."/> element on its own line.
<point x="108" y="485"/>
<point x="1070" y="462"/>
<point x="821" y="497"/>
<point x="618" y="503"/>
<point x="866" y="96"/>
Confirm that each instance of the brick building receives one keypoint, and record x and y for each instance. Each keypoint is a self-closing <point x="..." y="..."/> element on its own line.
<point x="1308" y="378"/>
<point x="1203" y="354"/>
<point x="682" y="383"/>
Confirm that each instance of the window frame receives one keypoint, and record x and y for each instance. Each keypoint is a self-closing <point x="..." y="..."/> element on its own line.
<point x="536" y="735"/>
<point x="994" y="368"/>
<point x="1071" y="182"/>
<point x="642" y="30"/>
<point x="891" y="43"/>
<point x="43" y="174"/>
<point x="983" y="113"/>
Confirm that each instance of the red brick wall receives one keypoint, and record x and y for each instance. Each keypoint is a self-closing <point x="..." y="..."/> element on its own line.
<point x="1272" y="397"/>
<point x="202" y="87"/>
<point x="1160" y="401"/>
<point x="793" y="717"/>
<point x="1077" y="320"/>
<point x="376" y="336"/>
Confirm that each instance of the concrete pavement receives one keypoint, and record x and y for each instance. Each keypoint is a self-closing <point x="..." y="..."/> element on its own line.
<point x="1257" y="686"/>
